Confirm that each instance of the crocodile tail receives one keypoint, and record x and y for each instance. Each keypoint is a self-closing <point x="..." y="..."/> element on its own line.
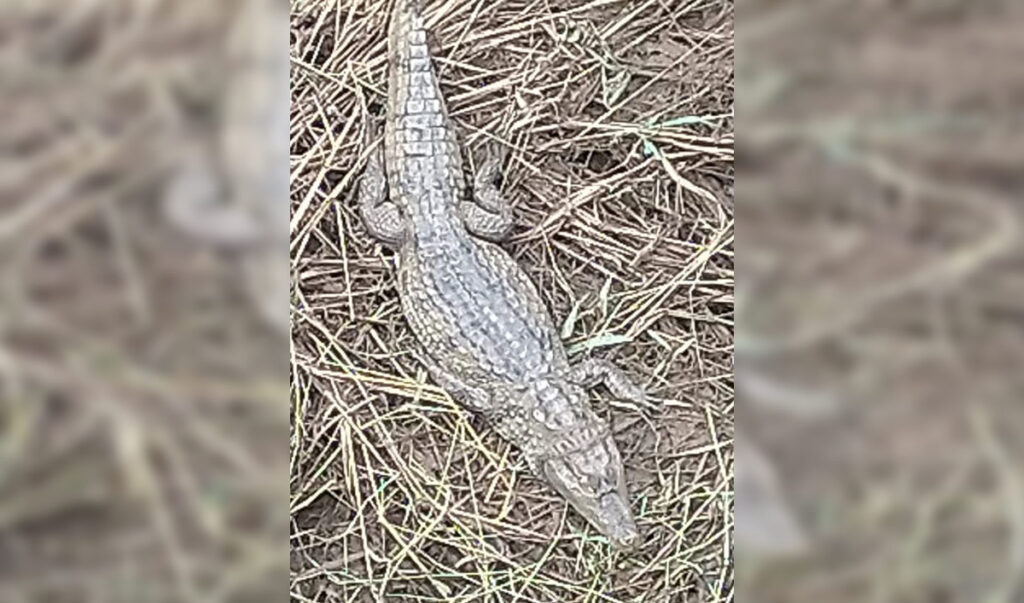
<point x="406" y="17"/>
<point x="412" y="75"/>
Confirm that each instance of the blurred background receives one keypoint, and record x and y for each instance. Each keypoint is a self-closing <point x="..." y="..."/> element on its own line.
<point x="879" y="342"/>
<point x="143" y="307"/>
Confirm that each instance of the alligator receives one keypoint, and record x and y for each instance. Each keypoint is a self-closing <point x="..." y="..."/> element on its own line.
<point x="482" y="329"/>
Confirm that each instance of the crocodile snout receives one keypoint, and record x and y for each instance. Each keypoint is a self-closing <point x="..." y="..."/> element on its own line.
<point x="617" y="521"/>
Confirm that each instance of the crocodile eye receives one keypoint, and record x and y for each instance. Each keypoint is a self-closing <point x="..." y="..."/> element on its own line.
<point x="613" y="476"/>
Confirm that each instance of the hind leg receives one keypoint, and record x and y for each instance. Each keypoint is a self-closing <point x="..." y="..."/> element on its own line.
<point x="488" y="216"/>
<point x="382" y="218"/>
<point x="195" y="201"/>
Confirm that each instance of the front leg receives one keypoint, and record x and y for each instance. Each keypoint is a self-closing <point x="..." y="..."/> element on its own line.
<point x="472" y="398"/>
<point x="594" y="371"/>
<point x="382" y="218"/>
<point x="488" y="216"/>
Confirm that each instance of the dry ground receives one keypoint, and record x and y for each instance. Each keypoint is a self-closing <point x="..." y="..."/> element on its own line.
<point x="619" y="116"/>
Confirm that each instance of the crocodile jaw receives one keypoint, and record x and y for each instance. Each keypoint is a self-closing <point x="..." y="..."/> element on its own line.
<point x="592" y="481"/>
<point x="615" y="520"/>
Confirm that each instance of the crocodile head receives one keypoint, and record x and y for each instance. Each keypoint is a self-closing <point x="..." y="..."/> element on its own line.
<point x="591" y="480"/>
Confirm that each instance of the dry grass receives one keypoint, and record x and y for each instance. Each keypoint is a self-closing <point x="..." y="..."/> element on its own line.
<point x="619" y="118"/>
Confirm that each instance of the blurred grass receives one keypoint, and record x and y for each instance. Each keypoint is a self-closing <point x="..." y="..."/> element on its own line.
<point x="142" y="413"/>
<point x="881" y="202"/>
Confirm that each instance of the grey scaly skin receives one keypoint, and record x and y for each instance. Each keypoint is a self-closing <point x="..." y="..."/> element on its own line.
<point x="484" y="332"/>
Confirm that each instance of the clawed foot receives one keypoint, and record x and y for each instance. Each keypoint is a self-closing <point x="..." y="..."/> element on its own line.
<point x="594" y="371"/>
<point x="488" y="216"/>
<point x="381" y="217"/>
